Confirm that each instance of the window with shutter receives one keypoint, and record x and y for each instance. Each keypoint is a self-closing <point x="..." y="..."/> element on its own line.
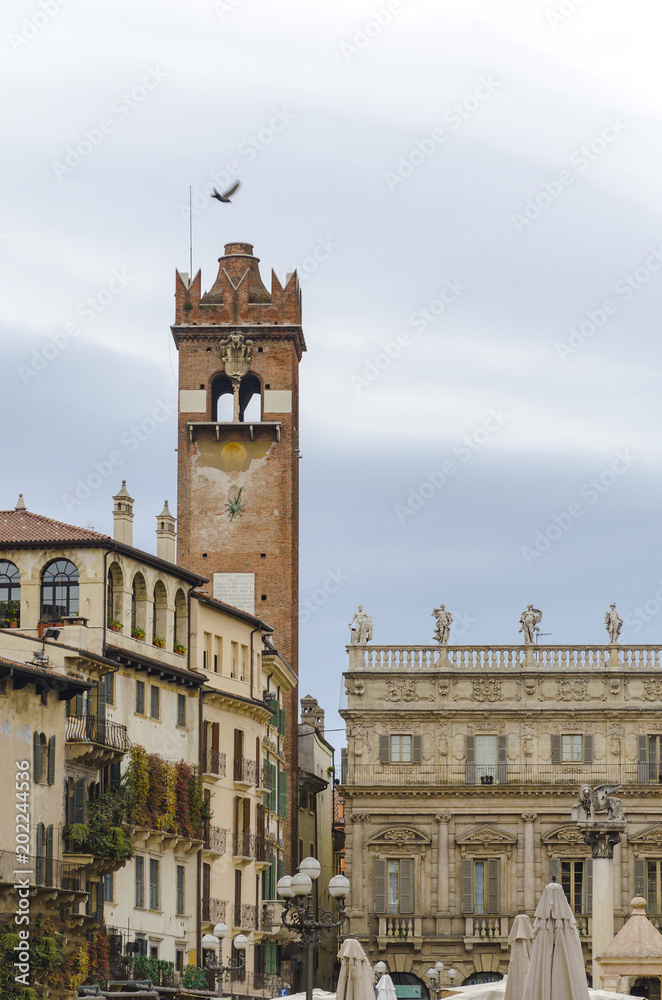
<point x="282" y="794"/>
<point x="181" y="710"/>
<point x="417" y="749"/>
<point x="480" y="885"/>
<point x="640" y="878"/>
<point x="379" y="885"/>
<point x="556" y="749"/>
<point x="576" y="878"/>
<point x="493" y="885"/>
<point x="180" y="889"/>
<point x="153" y="884"/>
<point x="36" y="770"/>
<point x="467" y="886"/>
<point x="384" y="749"/>
<point x="49" y="855"/>
<point x="406" y="900"/>
<point x="140" y="889"/>
<point x="41" y="831"/>
<point x="79" y="801"/>
<point x="282" y="721"/>
<point x="140" y="697"/>
<point x="155" y="700"/>
<point x="651" y="757"/>
<point x="400" y="749"/>
<point x="51" y="761"/>
<point x="588" y="748"/>
<point x="470" y="759"/>
<point x="502" y="765"/>
<point x="554" y="869"/>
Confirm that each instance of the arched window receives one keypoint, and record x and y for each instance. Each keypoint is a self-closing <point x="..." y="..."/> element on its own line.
<point x="59" y="590"/>
<point x="181" y="620"/>
<point x="222" y="399"/>
<point x="138" y="607"/>
<point x="250" y="399"/>
<point x="10" y="593"/>
<point x="160" y="611"/>
<point x="114" y="594"/>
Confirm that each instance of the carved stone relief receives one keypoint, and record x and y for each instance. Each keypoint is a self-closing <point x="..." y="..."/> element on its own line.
<point x="486" y="689"/>
<point x="354" y="686"/>
<point x="575" y="689"/>
<point x="402" y="689"/>
<point x="652" y="688"/>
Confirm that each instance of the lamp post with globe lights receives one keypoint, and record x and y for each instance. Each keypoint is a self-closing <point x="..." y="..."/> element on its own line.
<point x="214" y="942"/>
<point x="433" y="976"/>
<point x="299" y="915"/>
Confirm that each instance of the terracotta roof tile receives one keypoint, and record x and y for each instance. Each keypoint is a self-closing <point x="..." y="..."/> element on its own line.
<point x="21" y="526"/>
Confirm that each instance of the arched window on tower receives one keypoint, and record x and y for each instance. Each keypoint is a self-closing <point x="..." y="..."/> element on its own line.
<point x="138" y="607"/>
<point x="59" y="590"/>
<point x="222" y="399"/>
<point x="10" y="593"/>
<point x="250" y="399"/>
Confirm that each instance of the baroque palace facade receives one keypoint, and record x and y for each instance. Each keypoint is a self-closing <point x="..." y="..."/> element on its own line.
<point x="463" y="764"/>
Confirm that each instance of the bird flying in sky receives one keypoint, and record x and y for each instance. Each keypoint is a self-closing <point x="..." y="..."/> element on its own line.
<point x="227" y="195"/>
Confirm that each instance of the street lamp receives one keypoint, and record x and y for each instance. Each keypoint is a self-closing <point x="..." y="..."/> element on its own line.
<point x="452" y="973"/>
<point x="213" y="942"/>
<point x="434" y="976"/>
<point x="298" y="914"/>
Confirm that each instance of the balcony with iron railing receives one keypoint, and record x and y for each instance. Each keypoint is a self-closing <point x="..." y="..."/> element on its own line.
<point x="493" y="775"/>
<point x="95" y="741"/>
<point x="42" y="873"/>
<point x="245" y="772"/>
<point x="251" y="847"/>
<point x="214" y="910"/>
<point x="214" y="839"/>
<point x="214" y="763"/>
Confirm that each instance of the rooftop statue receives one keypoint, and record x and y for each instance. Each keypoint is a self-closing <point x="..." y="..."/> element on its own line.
<point x="613" y="623"/>
<point x="529" y="623"/>
<point x="360" y="627"/>
<point x="443" y="627"/>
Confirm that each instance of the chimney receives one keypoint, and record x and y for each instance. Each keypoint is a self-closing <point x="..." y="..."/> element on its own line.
<point x="20" y="503"/>
<point x="123" y="516"/>
<point x="312" y="714"/>
<point x="165" y="535"/>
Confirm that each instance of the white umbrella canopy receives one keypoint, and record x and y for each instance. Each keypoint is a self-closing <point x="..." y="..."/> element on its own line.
<point x="355" y="978"/>
<point x="385" y="988"/>
<point x="556" y="969"/>
<point x="519" y="939"/>
<point x="496" y="991"/>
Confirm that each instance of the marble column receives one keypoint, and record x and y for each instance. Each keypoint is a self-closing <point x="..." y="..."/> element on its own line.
<point x="602" y="841"/>
<point x="529" y="863"/>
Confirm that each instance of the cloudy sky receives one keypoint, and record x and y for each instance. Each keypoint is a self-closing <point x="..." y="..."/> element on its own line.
<point x="471" y="191"/>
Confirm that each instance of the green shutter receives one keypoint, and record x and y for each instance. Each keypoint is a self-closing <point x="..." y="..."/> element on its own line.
<point x="40" y="852"/>
<point x="51" y="761"/>
<point x="282" y="794"/>
<point x="642" y="757"/>
<point x="270" y="958"/>
<point x="379" y="885"/>
<point x="79" y="801"/>
<point x="554" y="869"/>
<point x="49" y="854"/>
<point x="470" y="767"/>
<point x="36" y="771"/>
<point x="282" y="721"/>
<point x="384" y="749"/>
<point x="493" y="885"/>
<point x="557" y="752"/>
<point x="467" y="883"/>
<point x="406" y="895"/>
<point x="588" y="748"/>
<point x="640" y="878"/>
<point x="140" y="897"/>
<point x="417" y="749"/>
<point x="80" y="705"/>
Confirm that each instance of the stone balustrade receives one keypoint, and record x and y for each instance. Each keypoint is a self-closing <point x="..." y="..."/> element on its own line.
<point x="504" y="658"/>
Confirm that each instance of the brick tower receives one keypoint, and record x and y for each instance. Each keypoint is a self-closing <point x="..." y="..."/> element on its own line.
<point x="238" y="484"/>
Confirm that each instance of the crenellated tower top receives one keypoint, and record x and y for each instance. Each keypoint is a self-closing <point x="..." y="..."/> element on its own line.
<point x="238" y="296"/>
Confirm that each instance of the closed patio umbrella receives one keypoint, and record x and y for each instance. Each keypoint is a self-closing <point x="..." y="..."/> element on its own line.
<point x="355" y="978"/>
<point x="519" y="939"/>
<point x="556" y="968"/>
<point x="385" y="988"/>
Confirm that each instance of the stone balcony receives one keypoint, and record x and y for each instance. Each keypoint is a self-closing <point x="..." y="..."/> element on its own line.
<point x="401" y="929"/>
<point x="497" y="775"/>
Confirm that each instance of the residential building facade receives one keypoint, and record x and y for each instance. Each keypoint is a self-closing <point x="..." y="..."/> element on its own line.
<point x="463" y="765"/>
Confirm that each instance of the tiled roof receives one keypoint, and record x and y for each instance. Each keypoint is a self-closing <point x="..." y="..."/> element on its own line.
<point x="21" y="526"/>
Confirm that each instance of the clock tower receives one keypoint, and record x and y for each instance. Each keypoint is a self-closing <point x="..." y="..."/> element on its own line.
<point x="238" y="486"/>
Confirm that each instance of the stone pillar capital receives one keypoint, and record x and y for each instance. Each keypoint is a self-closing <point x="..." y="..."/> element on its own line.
<point x="443" y="817"/>
<point x="529" y="817"/>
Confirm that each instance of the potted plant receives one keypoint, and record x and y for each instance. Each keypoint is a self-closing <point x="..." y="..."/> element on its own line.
<point x="114" y="624"/>
<point x="138" y="633"/>
<point x="157" y="641"/>
<point x="178" y="648"/>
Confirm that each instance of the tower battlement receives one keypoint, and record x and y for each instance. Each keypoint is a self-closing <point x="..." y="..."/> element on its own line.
<point x="238" y="295"/>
